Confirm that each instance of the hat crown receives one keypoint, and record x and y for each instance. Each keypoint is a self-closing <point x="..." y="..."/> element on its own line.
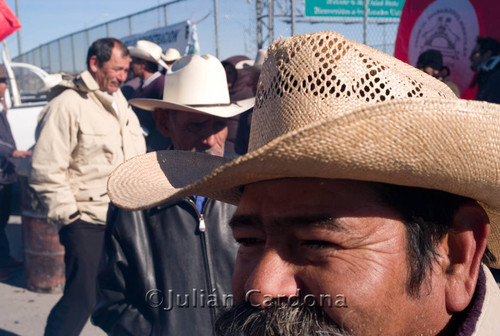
<point x="313" y="77"/>
<point x="144" y="47"/>
<point x="148" y="51"/>
<point x="171" y="54"/>
<point x="196" y="80"/>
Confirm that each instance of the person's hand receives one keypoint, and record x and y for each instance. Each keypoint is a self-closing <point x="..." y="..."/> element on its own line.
<point x="21" y="154"/>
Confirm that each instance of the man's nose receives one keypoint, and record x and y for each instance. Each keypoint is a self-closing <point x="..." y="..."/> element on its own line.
<point x="272" y="278"/>
<point x="210" y="140"/>
<point x="122" y="76"/>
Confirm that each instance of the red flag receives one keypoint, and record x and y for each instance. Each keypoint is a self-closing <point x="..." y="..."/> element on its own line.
<point x="8" y="21"/>
<point x="450" y="26"/>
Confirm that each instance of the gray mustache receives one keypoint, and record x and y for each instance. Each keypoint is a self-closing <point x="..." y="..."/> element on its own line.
<point x="280" y="319"/>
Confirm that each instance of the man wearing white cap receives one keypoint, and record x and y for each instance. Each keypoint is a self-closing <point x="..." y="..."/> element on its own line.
<point x="167" y="270"/>
<point x="367" y="203"/>
<point x="146" y="57"/>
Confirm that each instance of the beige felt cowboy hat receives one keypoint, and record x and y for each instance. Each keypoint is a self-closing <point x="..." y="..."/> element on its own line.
<point x="196" y="84"/>
<point x="171" y="55"/>
<point x="148" y="51"/>
<point x="329" y="107"/>
<point x="252" y="65"/>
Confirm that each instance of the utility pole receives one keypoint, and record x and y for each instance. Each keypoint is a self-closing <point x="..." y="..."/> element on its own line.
<point x="365" y="23"/>
<point x="258" y="8"/>
<point x="270" y="24"/>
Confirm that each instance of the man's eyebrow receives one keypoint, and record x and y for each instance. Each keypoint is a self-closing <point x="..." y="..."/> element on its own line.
<point x="244" y="220"/>
<point x="298" y="221"/>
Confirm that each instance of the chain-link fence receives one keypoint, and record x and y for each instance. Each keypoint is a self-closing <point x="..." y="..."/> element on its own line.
<point x="68" y="54"/>
<point x="239" y="24"/>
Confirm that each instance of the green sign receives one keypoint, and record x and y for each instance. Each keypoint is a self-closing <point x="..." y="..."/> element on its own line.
<point x="354" y="8"/>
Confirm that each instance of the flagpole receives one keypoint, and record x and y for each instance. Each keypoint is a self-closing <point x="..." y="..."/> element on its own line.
<point x="19" y="38"/>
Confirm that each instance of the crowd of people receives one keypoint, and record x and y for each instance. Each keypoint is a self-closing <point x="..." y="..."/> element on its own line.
<point x="317" y="189"/>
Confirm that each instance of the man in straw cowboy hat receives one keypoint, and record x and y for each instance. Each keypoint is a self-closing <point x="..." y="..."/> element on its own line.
<point x="365" y="201"/>
<point x="163" y="268"/>
<point x="146" y="56"/>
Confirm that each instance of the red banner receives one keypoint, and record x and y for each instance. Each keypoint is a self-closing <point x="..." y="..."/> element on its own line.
<point x="9" y="23"/>
<point x="450" y="26"/>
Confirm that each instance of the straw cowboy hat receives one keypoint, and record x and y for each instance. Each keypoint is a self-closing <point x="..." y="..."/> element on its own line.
<point x="196" y="84"/>
<point x="253" y="65"/>
<point x="171" y="55"/>
<point x="329" y="107"/>
<point x="148" y="51"/>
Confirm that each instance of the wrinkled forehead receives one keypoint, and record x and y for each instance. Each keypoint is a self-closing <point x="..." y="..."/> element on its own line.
<point x="311" y="196"/>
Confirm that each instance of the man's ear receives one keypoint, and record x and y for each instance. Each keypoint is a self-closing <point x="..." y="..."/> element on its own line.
<point x="162" y="120"/>
<point x="466" y="243"/>
<point x="93" y="64"/>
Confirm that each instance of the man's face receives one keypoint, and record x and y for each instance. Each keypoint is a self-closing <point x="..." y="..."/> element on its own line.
<point x="194" y="132"/>
<point x="430" y="71"/>
<point x="110" y="75"/>
<point x="3" y="86"/>
<point x="476" y="58"/>
<point x="319" y="238"/>
<point x="137" y="66"/>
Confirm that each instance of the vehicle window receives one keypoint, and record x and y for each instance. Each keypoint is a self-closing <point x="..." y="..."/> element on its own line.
<point x="30" y="85"/>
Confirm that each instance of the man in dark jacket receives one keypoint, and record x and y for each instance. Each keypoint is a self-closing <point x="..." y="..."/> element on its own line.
<point x="167" y="270"/>
<point x="9" y="159"/>
<point x="485" y="59"/>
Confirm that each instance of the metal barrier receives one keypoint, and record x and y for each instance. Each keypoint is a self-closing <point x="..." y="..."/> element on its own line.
<point x="67" y="54"/>
<point x="252" y="20"/>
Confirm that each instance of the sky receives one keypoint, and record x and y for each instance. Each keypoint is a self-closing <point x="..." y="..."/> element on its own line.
<point x="46" y="20"/>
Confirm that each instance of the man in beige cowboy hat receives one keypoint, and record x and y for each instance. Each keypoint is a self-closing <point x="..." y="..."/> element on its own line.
<point x="170" y="56"/>
<point x="367" y="203"/>
<point x="146" y="56"/>
<point x="155" y="260"/>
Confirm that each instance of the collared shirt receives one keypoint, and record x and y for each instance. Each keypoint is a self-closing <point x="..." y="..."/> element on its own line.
<point x="150" y="79"/>
<point x="199" y="201"/>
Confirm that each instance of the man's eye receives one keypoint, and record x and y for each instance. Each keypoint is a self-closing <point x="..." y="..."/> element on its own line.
<point x="249" y="242"/>
<point x="195" y="128"/>
<point x="318" y="244"/>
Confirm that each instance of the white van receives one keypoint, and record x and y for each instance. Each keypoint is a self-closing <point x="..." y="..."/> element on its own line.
<point x="25" y="96"/>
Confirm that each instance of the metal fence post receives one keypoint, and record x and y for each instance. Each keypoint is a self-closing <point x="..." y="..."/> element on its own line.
<point x="216" y="18"/>
<point x="60" y="55"/>
<point x="73" y="53"/>
<point x="166" y="14"/>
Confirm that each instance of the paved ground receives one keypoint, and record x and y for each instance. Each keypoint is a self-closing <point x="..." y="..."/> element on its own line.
<point x="23" y="312"/>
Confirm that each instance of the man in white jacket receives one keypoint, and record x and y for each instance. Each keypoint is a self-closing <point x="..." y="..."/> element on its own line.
<point x="83" y="134"/>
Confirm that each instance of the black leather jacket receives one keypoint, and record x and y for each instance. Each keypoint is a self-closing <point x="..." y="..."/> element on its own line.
<point x="161" y="269"/>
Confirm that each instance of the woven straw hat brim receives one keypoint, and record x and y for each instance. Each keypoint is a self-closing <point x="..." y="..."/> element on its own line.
<point x="225" y="111"/>
<point x="402" y="142"/>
